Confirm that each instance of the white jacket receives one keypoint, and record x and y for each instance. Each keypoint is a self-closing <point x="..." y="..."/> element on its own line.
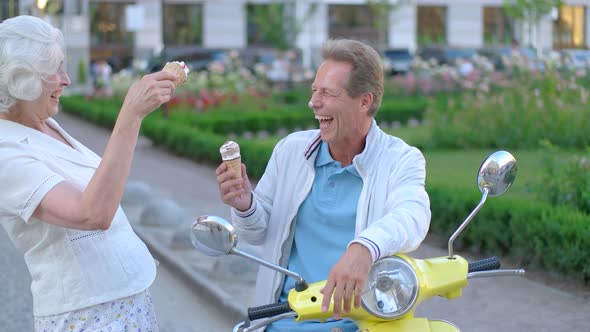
<point x="393" y="212"/>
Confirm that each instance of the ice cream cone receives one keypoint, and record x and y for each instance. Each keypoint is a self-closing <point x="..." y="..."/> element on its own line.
<point x="230" y="154"/>
<point x="178" y="68"/>
<point x="236" y="165"/>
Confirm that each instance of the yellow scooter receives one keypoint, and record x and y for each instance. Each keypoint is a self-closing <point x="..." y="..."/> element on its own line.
<point x="395" y="285"/>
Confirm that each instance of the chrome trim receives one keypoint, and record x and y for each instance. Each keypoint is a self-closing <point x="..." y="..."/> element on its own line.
<point x="495" y="273"/>
<point x="414" y="298"/>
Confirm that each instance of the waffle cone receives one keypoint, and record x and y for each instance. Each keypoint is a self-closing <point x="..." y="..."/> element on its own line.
<point x="236" y="165"/>
<point x="177" y="69"/>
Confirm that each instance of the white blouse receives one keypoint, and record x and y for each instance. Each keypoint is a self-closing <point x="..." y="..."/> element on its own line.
<point x="70" y="269"/>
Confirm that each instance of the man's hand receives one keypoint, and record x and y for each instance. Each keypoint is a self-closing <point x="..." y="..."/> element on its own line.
<point x="235" y="192"/>
<point x="346" y="278"/>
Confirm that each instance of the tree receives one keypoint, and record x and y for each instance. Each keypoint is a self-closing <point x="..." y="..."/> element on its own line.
<point x="277" y="22"/>
<point x="531" y="12"/>
<point x="381" y="9"/>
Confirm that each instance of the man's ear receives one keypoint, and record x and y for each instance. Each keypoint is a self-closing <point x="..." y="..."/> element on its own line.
<point x="366" y="101"/>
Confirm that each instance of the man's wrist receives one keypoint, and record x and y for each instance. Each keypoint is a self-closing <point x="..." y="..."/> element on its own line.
<point x="240" y="211"/>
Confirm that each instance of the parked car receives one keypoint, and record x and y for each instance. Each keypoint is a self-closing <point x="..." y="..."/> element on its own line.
<point x="446" y="55"/>
<point x="498" y="54"/>
<point x="196" y="59"/>
<point x="575" y="58"/>
<point x="398" y="60"/>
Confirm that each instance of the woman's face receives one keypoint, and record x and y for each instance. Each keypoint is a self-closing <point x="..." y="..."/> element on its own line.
<point x="47" y="105"/>
<point x="48" y="102"/>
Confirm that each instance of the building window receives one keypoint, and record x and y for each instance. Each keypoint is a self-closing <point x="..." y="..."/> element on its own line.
<point x="498" y="28"/>
<point x="183" y="25"/>
<point x="432" y="25"/>
<point x="109" y="38"/>
<point x="8" y="9"/>
<point x="107" y="23"/>
<point x="358" y="22"/>
<point x="569" y="30"/>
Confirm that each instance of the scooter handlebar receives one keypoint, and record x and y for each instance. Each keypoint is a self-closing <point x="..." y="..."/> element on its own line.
<point x="268" y="310"/>
<point x="486" y="264"/>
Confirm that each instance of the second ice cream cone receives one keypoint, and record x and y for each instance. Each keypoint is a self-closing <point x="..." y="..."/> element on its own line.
<point x="230" y="154"/>
<point x="236" y="165"/>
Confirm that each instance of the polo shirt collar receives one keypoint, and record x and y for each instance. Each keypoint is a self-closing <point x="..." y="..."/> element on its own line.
<point x="324" y="158"/>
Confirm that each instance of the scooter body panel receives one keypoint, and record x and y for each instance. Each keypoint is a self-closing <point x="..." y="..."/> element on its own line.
<point x="440" y="276"/>
<point x="436" y="276"/>
<point x="411" y="325"/>
<point x="308" y="305"/>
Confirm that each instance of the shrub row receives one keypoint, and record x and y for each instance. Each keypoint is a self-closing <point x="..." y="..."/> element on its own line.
<point x="179" y="138"/>
<point x="533" y="232"/>
<point x="519" y="114"/>
<point x="238" y="122"/>
<point x="536" y="233"/>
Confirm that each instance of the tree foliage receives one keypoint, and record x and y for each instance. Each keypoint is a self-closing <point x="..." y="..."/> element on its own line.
<point x="380" y="9"/>
<point x="277" y="22"/>
<point x="530" y="11"/>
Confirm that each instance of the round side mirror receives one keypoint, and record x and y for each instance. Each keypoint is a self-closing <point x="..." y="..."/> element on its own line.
<point x="213" y="236"/>
<point x="497" y="173"/>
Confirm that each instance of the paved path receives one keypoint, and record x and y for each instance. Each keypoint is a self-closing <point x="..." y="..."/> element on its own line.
<point x="15" y="295"/>
<point x="507" y="303"/>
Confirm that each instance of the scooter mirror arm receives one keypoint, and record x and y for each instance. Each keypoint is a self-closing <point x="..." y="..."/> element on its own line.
<point x="496" y="273"/>
<point x="467" y="221"/>
<point x="301" y="285"/>
<point x="246" y="327"/>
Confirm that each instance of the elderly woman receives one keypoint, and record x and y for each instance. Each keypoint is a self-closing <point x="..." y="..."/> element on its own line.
<point x="60" y="201"/>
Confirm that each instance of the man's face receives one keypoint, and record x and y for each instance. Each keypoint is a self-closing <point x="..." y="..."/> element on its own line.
<point x="341" y="117"/>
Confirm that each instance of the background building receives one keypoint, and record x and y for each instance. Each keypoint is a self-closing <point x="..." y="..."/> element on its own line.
<point x="123" y="31"/>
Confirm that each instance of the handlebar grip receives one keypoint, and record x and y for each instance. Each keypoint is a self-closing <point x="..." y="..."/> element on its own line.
<point x="268" y="310"/>
<point x="486" y="264"/>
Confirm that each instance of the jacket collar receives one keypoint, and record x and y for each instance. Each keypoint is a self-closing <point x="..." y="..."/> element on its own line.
<point x="362" y="161"/>
<point x="16" y="132"/>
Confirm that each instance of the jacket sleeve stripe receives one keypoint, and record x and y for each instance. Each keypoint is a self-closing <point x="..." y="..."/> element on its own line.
<point x="373" y="245"/>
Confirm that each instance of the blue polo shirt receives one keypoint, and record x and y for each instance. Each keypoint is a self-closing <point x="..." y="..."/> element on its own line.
<point x="324" y="226"/>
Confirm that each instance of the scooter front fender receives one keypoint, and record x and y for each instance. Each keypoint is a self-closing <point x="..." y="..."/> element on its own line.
<point x="412" y="325"/>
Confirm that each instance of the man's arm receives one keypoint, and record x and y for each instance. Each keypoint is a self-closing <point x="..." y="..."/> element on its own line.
<point x="252" y="223"/>
<point x="401" y="229"/>
<point x="407" y="218"/>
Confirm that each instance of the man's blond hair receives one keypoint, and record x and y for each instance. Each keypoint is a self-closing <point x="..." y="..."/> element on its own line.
<point x="366" y="75"/>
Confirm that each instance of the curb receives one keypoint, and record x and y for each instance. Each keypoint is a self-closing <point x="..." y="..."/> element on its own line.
<point x="201" y="281"/>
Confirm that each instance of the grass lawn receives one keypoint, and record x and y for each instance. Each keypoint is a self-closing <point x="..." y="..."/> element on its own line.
<point x="458" y="168"/>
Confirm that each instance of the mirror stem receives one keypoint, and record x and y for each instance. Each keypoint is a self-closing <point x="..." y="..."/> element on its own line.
<point x="467" y="221"/>
<point x="300" y="280"/>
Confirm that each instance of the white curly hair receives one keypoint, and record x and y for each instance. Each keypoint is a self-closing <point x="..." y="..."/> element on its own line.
<point x="31" y="50"/>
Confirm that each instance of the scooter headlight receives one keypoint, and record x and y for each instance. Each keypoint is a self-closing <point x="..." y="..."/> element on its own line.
<point x="391" y="289"/>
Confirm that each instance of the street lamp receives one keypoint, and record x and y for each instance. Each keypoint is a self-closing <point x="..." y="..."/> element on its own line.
<point x="42" y="4"/>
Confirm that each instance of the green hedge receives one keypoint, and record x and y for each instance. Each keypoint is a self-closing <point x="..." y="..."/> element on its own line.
<point x="238" y="122"/>
<point x="536" y="233"/>
<point x="197" y="144"/>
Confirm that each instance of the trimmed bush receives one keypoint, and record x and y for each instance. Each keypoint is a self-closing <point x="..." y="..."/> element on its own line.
<point x="290" y="118"/>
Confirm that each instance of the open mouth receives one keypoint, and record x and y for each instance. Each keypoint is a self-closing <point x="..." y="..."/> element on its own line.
<point x="324" y="120"/>
<point x="55" y="96"/>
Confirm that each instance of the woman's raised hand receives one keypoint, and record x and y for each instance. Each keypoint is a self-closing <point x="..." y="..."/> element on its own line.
<point x="149" y="93"/>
